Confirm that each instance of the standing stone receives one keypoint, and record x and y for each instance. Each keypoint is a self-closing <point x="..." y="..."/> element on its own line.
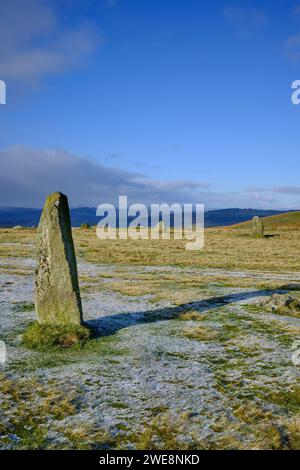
<point x="257" y="227"/>
<point x="57" y="295"/>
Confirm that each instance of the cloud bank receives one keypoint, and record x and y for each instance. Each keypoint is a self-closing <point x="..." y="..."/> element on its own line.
<point x="28" y="175"/>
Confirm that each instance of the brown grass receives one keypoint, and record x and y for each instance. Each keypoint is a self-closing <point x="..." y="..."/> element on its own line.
<point x="192" y="315"/>
<point x="201" y="333"/>
<point x="293" y="432"/>
<point x="225" y="248"/>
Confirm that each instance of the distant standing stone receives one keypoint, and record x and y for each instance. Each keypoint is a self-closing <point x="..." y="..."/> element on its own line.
<point x="257" y="227"/>
<point x="57" y="295"/>
<point x="160" y="227"/>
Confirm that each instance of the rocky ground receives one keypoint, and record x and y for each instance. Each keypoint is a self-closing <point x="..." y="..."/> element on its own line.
<point x="181" y="360"/>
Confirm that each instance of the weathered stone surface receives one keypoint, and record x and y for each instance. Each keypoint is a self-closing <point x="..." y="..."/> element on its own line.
<point x="257" y="227"/>
<point x="282" y="304"/>
<point x="57" y="295"/>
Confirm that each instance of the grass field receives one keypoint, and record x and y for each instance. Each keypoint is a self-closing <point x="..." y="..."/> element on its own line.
<point x="225" y="248"/>
<point x="185" y="357"/>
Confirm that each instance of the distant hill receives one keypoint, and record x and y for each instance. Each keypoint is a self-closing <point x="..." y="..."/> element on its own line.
<point x="11" y="216"/>
<point x="286" y="220"/>
<point x="224" y="217"/>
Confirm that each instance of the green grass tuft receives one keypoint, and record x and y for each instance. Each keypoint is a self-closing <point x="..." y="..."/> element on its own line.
<point x="43" y="337"/>
<point x="24" y="307"/>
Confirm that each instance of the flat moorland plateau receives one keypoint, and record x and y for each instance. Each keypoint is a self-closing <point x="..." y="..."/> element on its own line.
<point x="186" y="354"/>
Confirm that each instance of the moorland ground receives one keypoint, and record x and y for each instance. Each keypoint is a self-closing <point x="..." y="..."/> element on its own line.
<point x="185" y="355"/>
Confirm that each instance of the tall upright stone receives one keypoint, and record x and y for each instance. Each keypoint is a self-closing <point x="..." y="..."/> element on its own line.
<point x="57" y="295"/>
<point x="257" y="227"/>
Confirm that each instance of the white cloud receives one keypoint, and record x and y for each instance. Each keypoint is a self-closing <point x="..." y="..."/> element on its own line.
<point x="286" y="189"/>
<point x="246" y="21"/>
<point x="34" y="44"/>
<point x="292" y="42"/>
<point x="110" y="3"/>
<point x="293" y="47"/>
<point x="275" y="189"/>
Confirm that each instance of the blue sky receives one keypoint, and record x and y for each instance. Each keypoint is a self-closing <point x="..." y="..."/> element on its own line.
<point x="163" y="100"/>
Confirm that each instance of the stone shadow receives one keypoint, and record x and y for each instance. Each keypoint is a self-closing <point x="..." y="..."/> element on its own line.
<point x="110" y="324"/>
